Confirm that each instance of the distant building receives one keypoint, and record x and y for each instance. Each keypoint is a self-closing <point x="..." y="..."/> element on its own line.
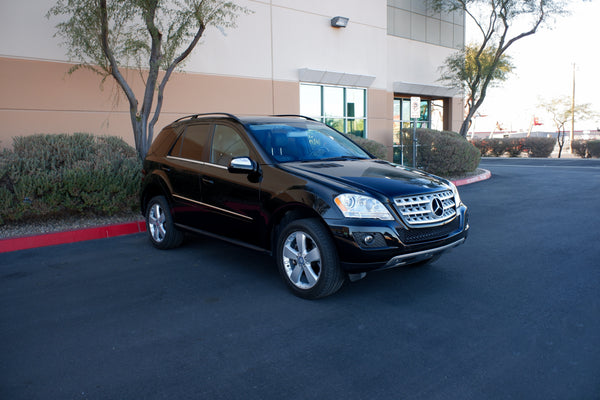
<point x="285" y="58"/>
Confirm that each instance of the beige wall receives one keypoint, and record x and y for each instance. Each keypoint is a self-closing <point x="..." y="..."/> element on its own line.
<point x="380" y="117"/>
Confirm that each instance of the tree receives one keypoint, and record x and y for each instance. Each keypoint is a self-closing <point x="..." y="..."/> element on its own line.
<point x="462" y="70"/>
<point x="108" y="37"/>
<point x="496" y="20"/>
<point x="562" y="111"/>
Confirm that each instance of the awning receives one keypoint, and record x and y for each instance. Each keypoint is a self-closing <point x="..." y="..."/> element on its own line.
<point x="425" y="90"/>
<point x="334" y="78"/>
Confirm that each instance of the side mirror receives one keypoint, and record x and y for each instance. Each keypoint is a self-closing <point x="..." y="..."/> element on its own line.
<point x="242" y="165"/>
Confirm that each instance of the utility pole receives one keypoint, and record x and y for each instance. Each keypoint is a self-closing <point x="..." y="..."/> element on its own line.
<point x="572" y="137"/>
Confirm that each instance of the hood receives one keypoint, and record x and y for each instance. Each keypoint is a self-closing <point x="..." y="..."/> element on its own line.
<point x="379" y="176"/>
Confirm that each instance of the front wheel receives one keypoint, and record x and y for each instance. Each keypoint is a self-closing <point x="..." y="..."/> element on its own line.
<point x="307" y="259"/>
<point x="159" y="225"/>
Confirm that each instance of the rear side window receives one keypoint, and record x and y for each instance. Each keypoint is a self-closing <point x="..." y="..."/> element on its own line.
<point x="192" y="143"/>
<point x="227" y="144"/>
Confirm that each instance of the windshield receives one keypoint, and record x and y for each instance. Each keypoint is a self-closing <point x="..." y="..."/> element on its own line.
<point x="305" y="141"/>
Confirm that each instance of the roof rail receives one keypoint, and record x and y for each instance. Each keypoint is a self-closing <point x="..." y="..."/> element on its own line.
<point x="295" y="115"/>
<point x="195" y="116"/>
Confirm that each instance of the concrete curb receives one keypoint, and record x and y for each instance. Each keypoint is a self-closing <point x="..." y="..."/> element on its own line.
<point x="477" y="178"/>
<point x="103" y="232"/>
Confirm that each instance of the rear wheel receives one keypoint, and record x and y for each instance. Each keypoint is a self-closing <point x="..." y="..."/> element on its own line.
<point x="159" y="225"/>
<point x="307" y="259"/>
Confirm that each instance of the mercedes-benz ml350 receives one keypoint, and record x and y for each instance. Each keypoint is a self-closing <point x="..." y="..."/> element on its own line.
<point x="326" y="209"/>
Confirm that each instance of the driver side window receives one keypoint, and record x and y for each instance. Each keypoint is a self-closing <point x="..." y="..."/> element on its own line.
<point x="227" y="144"/>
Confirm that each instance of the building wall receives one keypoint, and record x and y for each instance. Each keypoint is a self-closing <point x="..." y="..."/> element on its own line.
<point x="253" y="69"/>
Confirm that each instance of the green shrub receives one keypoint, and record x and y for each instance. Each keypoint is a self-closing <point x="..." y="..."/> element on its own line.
<point x="53" y="175"/>
<point x="483" y="145"/>
<point x="515" y="147"/>
<point x="593" y="147"/>
<point x="580" y="148"/>
<point x="539" y="147"/>
<point x="498" y="147"/>
<point x="535" y="147"/>
<point x="377" y="149"/>
<point x="442" y="152"/>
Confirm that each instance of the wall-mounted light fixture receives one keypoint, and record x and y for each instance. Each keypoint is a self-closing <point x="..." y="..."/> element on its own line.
<point x="339" y="22"/>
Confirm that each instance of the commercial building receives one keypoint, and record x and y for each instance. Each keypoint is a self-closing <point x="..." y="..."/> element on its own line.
<point x="286" y="57"/>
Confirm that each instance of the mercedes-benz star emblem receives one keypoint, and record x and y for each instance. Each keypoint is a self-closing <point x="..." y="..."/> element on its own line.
<point x="436" y="207"/>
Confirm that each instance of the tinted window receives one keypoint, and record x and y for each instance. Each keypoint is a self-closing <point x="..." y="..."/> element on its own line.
<point x="192" y="142"/>
<point x="227" y="144"/>
<point x="304" y="141"/>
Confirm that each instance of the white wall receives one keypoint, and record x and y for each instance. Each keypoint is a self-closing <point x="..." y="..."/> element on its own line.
<point x="25" y="32"/>
<point x="273" y="42"/>
<point x="414" y="62"/>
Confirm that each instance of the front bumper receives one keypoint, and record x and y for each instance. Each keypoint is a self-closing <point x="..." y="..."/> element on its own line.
<point x="393" y="244"/>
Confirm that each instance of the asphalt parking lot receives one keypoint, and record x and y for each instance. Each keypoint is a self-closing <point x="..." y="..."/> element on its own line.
<point x="513" y="313"/>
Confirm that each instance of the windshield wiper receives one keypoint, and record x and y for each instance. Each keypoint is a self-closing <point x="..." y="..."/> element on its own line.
<point x="338" y="158"/>
<point x="343" y="158"/>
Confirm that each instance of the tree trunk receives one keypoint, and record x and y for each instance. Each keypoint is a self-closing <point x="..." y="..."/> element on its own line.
<point x="561" y="142"/>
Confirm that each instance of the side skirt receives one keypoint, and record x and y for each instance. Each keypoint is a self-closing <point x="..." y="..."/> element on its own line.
<point x="224" y="238"/>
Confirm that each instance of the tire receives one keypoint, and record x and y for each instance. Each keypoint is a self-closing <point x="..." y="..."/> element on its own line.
<point x="159" y="225"/>
<point x="307" y="259"/>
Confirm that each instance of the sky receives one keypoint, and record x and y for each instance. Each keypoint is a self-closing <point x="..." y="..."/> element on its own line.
<point x="544" y="70"/>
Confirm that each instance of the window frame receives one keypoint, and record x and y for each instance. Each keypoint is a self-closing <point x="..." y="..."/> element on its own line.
<point x="345" y="118"/>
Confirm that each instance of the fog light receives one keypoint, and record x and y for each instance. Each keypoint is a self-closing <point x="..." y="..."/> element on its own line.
<point x="369" y="240"/>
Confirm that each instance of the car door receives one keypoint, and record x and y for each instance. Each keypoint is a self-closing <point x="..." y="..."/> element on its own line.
<point x="186" y="161"/>
<point x="233" y="200"/>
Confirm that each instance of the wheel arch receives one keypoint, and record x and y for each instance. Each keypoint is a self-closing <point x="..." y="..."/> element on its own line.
<point x="289" y="213"/>
<point x="155" y="186"/>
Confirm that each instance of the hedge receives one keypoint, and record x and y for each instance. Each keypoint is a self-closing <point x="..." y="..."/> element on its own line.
<point x="587" y="148"/>
<point x="441" y="152"/>
<point x="534" y="146"/>
<point x="49" y="175"/>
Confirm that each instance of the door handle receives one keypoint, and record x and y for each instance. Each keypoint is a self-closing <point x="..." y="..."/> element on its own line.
<point x="207" y="181"/>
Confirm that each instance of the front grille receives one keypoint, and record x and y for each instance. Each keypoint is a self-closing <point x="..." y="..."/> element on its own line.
<point x="426" y="234"/>
<point x="420" y="210"/>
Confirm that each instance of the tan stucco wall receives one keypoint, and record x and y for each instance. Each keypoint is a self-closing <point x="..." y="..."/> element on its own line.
<point x="380" y="117"/>
<point x="40" y="97"/>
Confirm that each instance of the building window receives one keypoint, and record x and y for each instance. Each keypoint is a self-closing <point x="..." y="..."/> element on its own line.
<point x="342" y="108"/>
<point x="417" y="20"/>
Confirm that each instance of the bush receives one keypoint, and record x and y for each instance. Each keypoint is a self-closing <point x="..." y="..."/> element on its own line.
<point x="586" y="148"/>
<point x="539" y="147"/>
<point x="377" y="149"/>
<point x="483" y="145"/>
<point x="54" y="175"/>
<point x="536" y="147"/>
<point x="580" y="148"/>
<point x="593" y="147"/>
<point x="442" y="152"/>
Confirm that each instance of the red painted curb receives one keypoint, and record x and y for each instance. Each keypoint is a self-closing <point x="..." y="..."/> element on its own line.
<point x="79" y="235"/>
<point x="478" y="178"/>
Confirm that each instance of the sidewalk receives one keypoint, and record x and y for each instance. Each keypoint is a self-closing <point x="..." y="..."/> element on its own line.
<point x="109" y="231"/>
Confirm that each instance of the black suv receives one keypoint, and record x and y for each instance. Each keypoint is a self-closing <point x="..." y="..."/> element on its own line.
<point x="325" y="208"/>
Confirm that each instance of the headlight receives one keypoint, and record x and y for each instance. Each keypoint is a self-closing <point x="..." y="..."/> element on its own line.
<point x="456" y="195"/>
<point x="358" y="206"/>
